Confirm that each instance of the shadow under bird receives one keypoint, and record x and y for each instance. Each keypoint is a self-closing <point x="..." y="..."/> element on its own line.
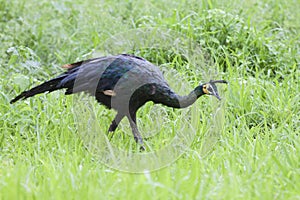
<point x="122" y="82"/>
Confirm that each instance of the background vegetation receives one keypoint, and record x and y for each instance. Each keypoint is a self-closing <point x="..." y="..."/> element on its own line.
<point x="252" y="44"/>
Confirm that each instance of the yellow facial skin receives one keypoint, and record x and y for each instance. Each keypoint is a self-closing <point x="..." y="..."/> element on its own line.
<point x="205" y="87"/>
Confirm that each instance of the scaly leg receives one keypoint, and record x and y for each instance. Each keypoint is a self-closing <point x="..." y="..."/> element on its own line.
<point x="114" y="124"/>
<point x="136" y="134"/>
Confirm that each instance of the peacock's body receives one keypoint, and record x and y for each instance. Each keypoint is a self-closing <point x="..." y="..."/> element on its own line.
<point x="122" y="82"/>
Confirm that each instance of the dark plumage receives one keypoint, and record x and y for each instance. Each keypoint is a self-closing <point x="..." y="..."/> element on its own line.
<point x="124" y="83"/>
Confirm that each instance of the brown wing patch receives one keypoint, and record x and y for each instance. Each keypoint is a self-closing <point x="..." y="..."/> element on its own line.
<point x="70" y="66"/>
<point x="67" y="66"/>
<point x="109" y="93"/>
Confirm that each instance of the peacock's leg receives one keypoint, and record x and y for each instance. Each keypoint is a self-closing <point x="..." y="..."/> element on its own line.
<point x="114" y="124"/>
<point x="136" y="134"/>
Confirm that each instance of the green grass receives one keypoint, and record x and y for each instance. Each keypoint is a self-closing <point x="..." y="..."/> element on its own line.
<point x="246" y="147"/>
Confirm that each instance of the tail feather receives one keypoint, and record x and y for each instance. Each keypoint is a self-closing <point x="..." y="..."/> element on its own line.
<point x="49" y="86"/>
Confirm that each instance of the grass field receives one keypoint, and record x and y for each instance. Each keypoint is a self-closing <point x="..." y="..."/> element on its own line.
<point x="245" y="147"/>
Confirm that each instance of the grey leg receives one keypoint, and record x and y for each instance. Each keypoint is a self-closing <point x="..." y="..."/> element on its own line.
<point x="136" y="134"/>
<point x="114" y="124"/>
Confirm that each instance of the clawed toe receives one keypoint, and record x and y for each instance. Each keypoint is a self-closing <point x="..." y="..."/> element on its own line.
<point x="142" y="148"/>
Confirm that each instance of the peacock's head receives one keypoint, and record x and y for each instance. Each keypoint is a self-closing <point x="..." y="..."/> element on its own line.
<point x="210" y="88"/>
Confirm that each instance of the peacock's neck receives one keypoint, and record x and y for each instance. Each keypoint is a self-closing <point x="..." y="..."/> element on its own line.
<point x="169" y="98"/>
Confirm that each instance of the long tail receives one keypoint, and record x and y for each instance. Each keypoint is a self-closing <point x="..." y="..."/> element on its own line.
<point x="51" y="85"/>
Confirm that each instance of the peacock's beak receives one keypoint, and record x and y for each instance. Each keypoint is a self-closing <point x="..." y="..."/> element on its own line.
<point x="214" y="90"/>
<point x="216" y="94"/>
